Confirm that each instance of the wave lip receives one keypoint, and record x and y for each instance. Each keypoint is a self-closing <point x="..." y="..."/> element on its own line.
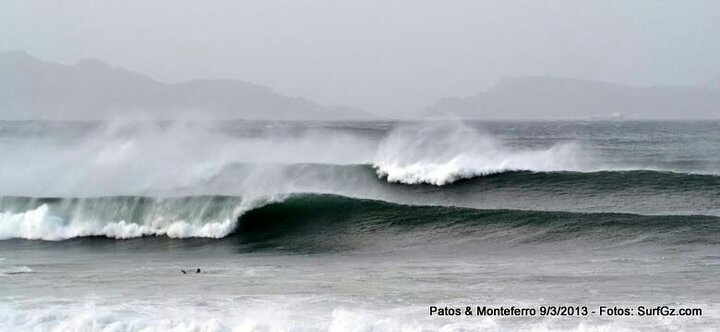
<point x="120" y="217"/>
<point x="463" y="166"/>
<point x="441" y="155"/>
<point x="41" y="224"/>
<point x="330" y="221"/>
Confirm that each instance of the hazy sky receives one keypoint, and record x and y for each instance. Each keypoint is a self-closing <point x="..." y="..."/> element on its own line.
<point x="390" y="57"/>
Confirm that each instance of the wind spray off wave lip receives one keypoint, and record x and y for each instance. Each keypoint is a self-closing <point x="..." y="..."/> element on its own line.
<point x="442" y="158"/>
<point x="327" y="221"/>
<point x="297" y="227"/>
<point x="149" y="158"/>
<point x="253" y="163"/>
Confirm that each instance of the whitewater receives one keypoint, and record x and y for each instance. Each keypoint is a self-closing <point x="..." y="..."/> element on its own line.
<point x="187" y="163"/>
<point x="130" y="158"/>
<point x="354" y="226"/>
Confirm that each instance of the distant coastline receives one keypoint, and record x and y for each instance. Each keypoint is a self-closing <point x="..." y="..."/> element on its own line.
<point x="563" y="98"/>
<point x="31" y="89"/>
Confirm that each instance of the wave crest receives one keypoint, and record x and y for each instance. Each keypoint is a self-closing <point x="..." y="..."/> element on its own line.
<point x="121" y="217"/>
<point x="314" y="221"/>
<point x="440" y="155"/>
<point x="41" y="224"/>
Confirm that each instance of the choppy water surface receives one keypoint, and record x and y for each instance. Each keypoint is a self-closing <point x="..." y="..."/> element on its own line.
<point x="355" y="226"/>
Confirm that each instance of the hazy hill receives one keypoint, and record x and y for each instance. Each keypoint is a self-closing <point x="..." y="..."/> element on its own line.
<point x="91" y="89"/>
<point x="559" y="98"/>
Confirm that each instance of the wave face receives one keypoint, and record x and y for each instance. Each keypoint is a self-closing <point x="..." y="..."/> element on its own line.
<point x="335" y="221"/>
<point x="43" y="159"/>
<point x="328" y="222"/>
<point x="348" y="226"/>
<point x="127" y="179"/>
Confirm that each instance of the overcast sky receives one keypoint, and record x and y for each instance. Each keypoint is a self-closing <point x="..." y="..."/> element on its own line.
<point x="387" y="56"/>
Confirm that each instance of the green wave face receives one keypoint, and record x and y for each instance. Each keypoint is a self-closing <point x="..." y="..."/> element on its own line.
<point x="334" y="222"/>
<point x="308" y="222"/>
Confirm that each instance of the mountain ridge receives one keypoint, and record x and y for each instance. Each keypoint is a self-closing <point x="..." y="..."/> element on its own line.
<point x="541" y="97"/>
<point x="32" y="89"/>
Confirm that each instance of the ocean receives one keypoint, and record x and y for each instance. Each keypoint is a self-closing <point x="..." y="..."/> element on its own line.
<point x="359" y="226"/>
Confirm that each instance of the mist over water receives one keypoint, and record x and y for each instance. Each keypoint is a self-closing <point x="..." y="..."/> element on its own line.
<point x="328" y="226"/>
<point x="440" y="154"/>
<point x="126" y="179"/>
<point x="78" y="159"/>
<point x="310" y="166"/>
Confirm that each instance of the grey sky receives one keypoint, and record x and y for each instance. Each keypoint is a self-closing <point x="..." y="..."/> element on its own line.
<point x="390" y="57"/>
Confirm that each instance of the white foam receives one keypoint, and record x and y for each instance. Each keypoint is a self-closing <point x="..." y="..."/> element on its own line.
<point x="12" y="270"/>
<point x="95" y="318"/>
<point x="443" y="154"/>
<point x="151" y="159"/>
<point x="185" y="159"/>
<point x="41" y="224"/>
<point x="34" y="224"/>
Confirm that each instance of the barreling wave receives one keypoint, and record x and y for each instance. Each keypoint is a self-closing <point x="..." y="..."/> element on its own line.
<point x="338" y="221"/>
<point x="313" y="221"/>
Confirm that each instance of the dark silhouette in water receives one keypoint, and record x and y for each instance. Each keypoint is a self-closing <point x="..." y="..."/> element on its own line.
<point x="196" y="271"/>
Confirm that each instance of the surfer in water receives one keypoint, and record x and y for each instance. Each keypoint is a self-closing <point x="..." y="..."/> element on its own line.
<point x="196" y="271"/>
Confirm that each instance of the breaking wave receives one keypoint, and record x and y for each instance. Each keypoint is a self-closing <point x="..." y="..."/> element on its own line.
<point x="120" y="217"/>
<point x="328" y="222"/>
<point x="14" y="270"/>
<point x="111" y="159"/>
<point x="441" y="155"/>
<point x="122" y="171"/>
